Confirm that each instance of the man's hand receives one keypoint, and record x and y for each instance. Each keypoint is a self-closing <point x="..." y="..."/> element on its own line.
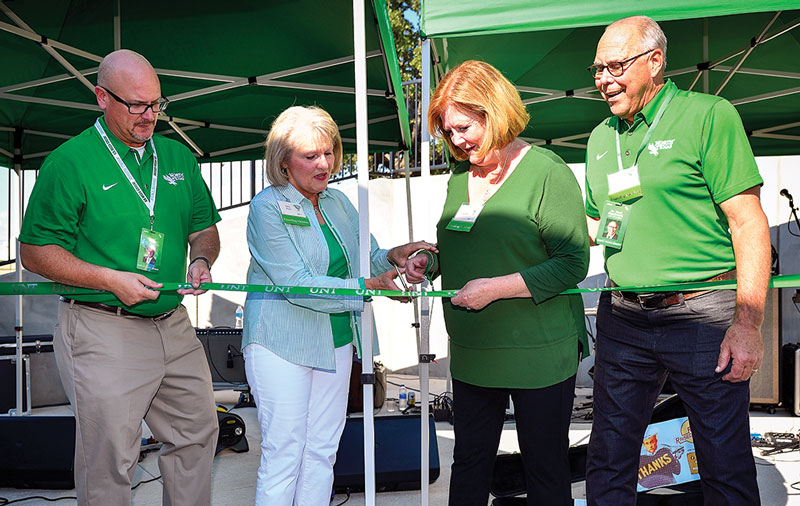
<point x="399" y="255"/>
<point x="132" y="288"/>
<point x="197" y="273"/>
<point x="415" y="269"/>
<point x="744" y="346"/>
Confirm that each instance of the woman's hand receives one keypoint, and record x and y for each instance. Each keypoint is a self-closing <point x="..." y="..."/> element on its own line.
<point x="476" y="294"/>
<point x="385" y="282"/>
<point x="415" y="269"/>
<point x="399" y="255"/>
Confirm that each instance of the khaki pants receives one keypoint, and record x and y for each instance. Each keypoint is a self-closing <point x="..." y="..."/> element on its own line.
<point x="118" y="370"/>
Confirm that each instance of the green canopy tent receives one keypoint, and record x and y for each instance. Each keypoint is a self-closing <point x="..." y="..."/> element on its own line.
<point x="228" y="70"/>
<point x="746" y="52"/>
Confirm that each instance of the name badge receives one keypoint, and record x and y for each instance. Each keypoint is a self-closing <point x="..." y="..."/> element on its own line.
<point x="613" y="224"/>
<point x="293" y="214"/>
<point x="151" y="246"/>
<point x="624" y="185"/>
<point x="465" y="218"/>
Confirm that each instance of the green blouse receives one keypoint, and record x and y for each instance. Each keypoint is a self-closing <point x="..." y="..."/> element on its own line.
<point x="534" y="224"/>
<point x="337" y="267"/>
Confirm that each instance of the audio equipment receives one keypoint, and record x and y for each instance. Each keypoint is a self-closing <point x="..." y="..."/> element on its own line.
<point x="45" y="382"/>
<point x="225" y="360"/>
<point x="37" y="452"/>
<point x="397" y="454"/>
<point x="765" y="384"/>
<point x="232" y="432"/>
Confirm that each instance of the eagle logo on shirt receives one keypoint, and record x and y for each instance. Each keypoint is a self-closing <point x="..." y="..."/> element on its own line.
<point x="655" y="147"/>
<point x="173" y="178"/>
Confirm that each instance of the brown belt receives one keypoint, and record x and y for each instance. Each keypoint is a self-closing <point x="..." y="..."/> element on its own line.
<point x="661" y="300"/>
<point x="117" y="310"/>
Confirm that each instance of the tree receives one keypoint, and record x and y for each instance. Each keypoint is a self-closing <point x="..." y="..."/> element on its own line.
<point x="406" y="36"/>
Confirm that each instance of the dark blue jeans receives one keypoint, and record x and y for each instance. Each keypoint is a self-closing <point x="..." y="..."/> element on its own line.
<point x="636" y="349"/>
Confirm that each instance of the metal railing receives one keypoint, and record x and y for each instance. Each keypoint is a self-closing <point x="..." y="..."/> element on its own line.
<point x="234" y="184"/>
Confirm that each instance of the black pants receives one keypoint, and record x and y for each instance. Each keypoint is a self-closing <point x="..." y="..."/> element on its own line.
<point x="542" y="418"/>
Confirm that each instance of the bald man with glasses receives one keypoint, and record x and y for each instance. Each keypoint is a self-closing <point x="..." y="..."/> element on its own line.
<point x="676" y="168"/>
<point x="116" y="209"/>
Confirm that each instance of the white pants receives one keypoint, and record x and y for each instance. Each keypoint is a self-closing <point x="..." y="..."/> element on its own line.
<point x="302" y="414"/>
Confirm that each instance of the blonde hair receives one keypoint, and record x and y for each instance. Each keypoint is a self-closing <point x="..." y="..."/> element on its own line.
<point x="281" y="139"/>
<point x="477" y="87"/>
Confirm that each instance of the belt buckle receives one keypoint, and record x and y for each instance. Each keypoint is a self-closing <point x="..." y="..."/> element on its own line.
<point x="644" y="298"/>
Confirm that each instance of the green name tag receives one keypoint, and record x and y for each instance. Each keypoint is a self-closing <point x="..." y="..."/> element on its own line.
<point x="465" y="218"/>
<point x="613" y="223"/>
<point x="293" y="214"/>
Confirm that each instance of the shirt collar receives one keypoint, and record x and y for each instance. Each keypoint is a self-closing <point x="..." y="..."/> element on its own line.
<point x="293" y="195"/>
<point x="123" y="149"/>
<point x="649" y="111"/>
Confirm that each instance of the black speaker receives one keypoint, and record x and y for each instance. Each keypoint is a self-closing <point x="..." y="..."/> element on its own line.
<point x="45" y="382"/>
<point x="37" y="452"/>
<point x="225" y="361"/>
<point x="397" y="454"/>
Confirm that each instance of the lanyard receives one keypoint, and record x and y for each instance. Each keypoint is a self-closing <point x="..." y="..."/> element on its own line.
<point x="149" y="203"/>
<point x="667" y="99"/>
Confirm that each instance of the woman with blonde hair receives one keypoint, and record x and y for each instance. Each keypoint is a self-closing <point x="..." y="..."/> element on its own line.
<point x="513" y="236"/>
<point x="298" y="349"/>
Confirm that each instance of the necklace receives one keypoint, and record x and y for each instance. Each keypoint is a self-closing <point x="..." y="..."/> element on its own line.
<point x="491" y="188"/>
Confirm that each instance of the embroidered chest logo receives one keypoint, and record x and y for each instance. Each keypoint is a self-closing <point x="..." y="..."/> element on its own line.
<point x="173" y="178"/>
<point x="655" y="147"/>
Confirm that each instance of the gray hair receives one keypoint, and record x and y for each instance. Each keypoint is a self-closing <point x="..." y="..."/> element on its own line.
<point x="651" y="36"/>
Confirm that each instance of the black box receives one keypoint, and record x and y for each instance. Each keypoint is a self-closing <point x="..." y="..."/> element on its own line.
<point x="398" y="454"/>
<point x="37" y="452"/>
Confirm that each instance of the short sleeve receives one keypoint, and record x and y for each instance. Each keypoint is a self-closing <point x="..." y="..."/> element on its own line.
<point x="727" y="161"/>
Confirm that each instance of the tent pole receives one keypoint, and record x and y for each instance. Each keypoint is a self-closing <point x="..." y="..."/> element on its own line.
<point x="362" y="152"/>
<point x="117" y="26"/>
<point x="18" y="324"/>
<point x="424" y="359"/>
<point x="749" y="50"/>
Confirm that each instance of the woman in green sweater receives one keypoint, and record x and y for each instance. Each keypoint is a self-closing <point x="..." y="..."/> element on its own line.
<point x="513" y="236"/>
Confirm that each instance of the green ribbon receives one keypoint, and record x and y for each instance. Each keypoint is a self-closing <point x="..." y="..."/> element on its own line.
<point x="49" y="288"/>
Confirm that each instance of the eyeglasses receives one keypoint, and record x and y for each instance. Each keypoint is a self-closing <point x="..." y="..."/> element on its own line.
<point x="615" y="68"/>
<point x="156" y="107"/>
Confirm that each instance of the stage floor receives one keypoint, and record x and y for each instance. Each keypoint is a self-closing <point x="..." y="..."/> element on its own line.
<point x="234" y="474"/>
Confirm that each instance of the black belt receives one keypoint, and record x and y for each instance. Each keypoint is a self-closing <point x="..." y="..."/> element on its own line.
<point x="661" y="300"/>
<point x="117" y="310"/>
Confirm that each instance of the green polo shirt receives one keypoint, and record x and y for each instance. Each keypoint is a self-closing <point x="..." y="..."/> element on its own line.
<point x="697" y="157"/>
<point x="84" y="203"/>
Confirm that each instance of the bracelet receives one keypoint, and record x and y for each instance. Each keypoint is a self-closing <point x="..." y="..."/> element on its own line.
<point x="204" y="259"/>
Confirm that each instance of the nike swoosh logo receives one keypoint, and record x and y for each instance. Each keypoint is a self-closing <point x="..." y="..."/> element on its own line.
<point x="109" y="186"/>
<point x="601" y="155"/>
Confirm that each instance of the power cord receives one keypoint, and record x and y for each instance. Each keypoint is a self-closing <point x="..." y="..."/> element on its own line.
<point x="4" y="501"/>
<point x="340" y="504"/>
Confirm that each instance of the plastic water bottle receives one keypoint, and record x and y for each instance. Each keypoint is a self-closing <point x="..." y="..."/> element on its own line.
<point x="402" y="399"/>
<point x="239" y="317"/>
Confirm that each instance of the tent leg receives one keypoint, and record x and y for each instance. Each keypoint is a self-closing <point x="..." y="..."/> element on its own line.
<point x="424" y="361"/>
<point x="362" y="152"/>
<point x="18" y="263"/>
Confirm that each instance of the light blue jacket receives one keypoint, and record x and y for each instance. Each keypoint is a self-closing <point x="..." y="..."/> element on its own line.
<point x="297" y="328"/>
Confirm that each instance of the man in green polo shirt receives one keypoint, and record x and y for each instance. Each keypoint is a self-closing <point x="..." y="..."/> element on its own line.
<point x="675" y="169"/>
<point x="115" y="208"/>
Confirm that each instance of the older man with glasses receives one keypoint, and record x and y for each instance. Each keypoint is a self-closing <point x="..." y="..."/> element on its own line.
<point x="676" y="168"/>
<point x="115" y="209"/>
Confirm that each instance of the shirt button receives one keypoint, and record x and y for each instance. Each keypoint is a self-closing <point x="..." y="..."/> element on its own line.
<point x="630" y="132"/>
<point x="627" y="152"/>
